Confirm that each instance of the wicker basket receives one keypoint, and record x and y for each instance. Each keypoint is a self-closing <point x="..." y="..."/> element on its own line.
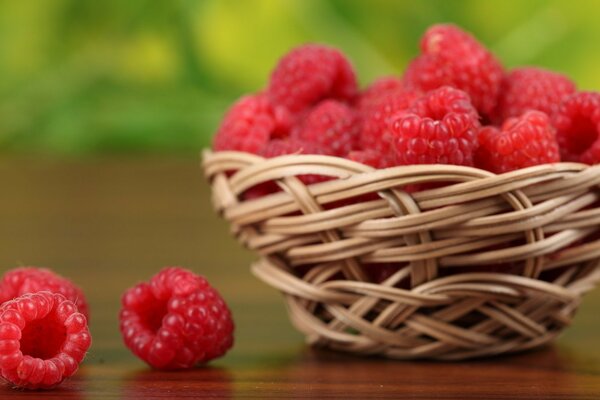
<point x="450" y="297"/>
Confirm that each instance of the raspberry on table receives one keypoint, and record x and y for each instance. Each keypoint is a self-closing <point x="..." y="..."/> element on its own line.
<point x="176" y="320"/>
<point x="375" y="116"/>
<point x="451" y="56"/>
<point x="532" y="88"/>
<point x="250" y="123"/>
<point x="439" y="128"/>
<point x="22" y="280"/>
<point x="309" y="74"/>
<point x="43" y="339"/>
<point x="522" y="142"/>
<point x="578" y="128"/>
<point x="332" y="126"/>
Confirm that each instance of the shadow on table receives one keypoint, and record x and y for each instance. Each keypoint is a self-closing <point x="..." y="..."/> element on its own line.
<point x="69" y="390"/>
<point x="206" y="382"/>
<point x="546" y="373"/>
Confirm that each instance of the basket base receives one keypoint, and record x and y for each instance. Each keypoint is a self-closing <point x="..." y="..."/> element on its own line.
<point x="457" y="317"/>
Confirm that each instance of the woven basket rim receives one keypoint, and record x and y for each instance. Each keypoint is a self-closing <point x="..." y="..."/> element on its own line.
<point x="207" y="154"/>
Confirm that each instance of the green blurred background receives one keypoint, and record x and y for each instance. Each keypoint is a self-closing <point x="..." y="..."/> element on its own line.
<point x="81" y="77"/>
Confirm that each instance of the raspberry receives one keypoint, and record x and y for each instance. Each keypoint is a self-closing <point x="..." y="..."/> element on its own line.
<point x="332" y="126"/>
<point x="578" y="128"/>
<point x="381" y="272"/>
<point x="281" y="147"/>
<point x="19" y="281"/>
<point x="176" y="320"/>
<point x="375" y="115"/>
<point x="451" y="56"/>
<point x="532" y="88"/>
<point x="439" y="128"/>
<point x="250" y="123"/>
<point x="309" y="74"/>
<point x="43" y="339"/>
<point x="522" y="142"/>
<point x="378" y="89"/>
<point x="372" y="158"/>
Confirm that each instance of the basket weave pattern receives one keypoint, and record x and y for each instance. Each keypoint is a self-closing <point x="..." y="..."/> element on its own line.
<point x="450" y="298"/>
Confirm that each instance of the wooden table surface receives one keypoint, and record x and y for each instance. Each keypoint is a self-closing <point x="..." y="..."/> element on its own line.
<point x="110" y="223"/>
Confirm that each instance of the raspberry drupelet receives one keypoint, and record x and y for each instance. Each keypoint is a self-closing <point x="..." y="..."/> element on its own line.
<point x="451" y="56"/>
<point x="578" y="128"/>
<point x="22" y="280"/>
<point x="43" y="339"/>
<point x="439" y="128"/>
<point x="176" y="320"/>
<point x="311" y="73"/>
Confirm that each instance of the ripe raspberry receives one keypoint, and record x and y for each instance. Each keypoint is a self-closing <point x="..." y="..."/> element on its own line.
<point x="578" y="128"/>
<point x="439" y="128"/>
<point x="250" y="123"/>
<point x="332" y="126"/>
<point x="309" y="74"/>
<point x="378" y="89"/>
<point x="522" y="142"/>
<point x="382" y="271"/>
<point x="451" y="56"/>
<point x="281" y="147"/>
<point x="375" y="117"/>
<point x="530" y="88"/>
<point x="372" y="158"/>
<point x="176" y="320"/>
<point x="43" y="339"/>
<point x="19" y="281"/>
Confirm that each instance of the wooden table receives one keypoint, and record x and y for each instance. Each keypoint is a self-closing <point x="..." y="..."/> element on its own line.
<point x="109" y="223"/>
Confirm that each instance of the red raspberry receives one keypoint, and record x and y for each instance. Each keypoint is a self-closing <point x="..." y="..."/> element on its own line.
<point x="250" y="123"/>
<point x="332" y="126"/>
<point x="382" y="271"/>
<point x="530" y="88"/>
<point x="578" y="128"/>
<point x="451" y="56"/>
<point x="439" y="128"/>
<point x="522" y="142"/>
<point x="378" y="89"/>
<point x="309" y="74"/>
<point x="22" y="280"/>
<point x="176" y="320"/>
<point x="43" y="339"/>
<point x="281" y="147"/>
<point x="372" y="158"/>
<point x="375" y="116"/>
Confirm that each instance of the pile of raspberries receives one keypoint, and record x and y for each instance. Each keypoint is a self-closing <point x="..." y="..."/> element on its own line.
<point x="455" y="104"/>
<point x="174" y="321"/>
